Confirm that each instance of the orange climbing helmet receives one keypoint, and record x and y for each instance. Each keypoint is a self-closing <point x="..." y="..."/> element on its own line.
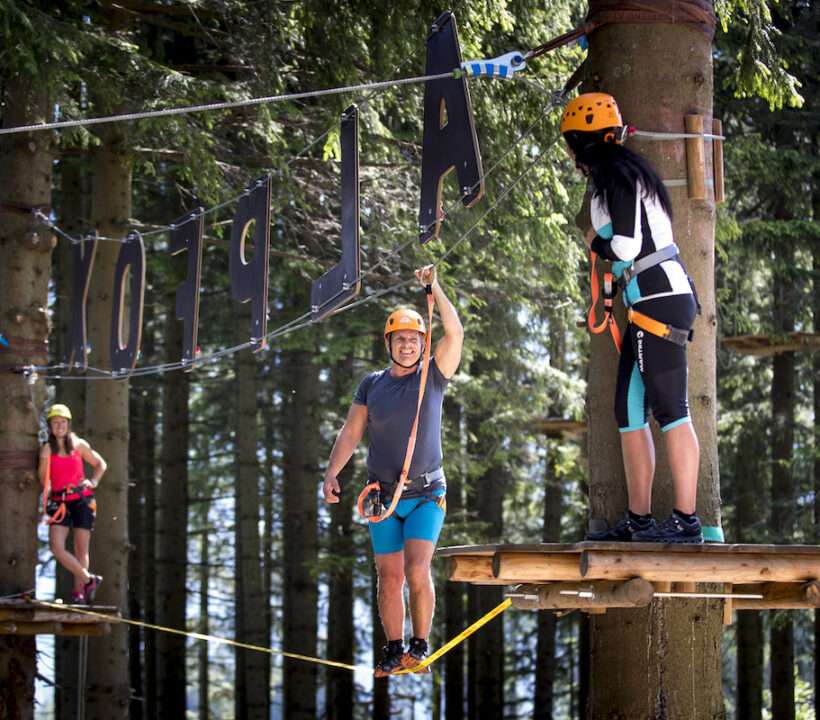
<point x="594" y="112"/>
<point x="404" y="319"/>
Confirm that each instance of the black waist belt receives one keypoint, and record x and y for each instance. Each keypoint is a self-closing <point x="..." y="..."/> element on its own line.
<point x="424" y="483"/>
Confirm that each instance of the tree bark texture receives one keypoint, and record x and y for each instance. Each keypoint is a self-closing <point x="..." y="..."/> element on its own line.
<point x="341" y="635"/>
<point x="203" y="684"/>
<point x="73" y="214"/>
<point x="487" y="647"/>
<point x="547" y="621"/>
<point x="107" y="428"/>
<point x="300" y="534"/>
<point x="25" y="256"/>
<point x="252" y="668"/>
<point x="749" y="624"/>
<point x="658" y="74"/>
<point x="783" y="485"/>
<point x="172" y="529"/>
<point x="454" y="615"/>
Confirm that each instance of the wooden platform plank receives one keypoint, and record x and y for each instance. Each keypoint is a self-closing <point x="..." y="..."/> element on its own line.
<point x="710" y="548"/>
<point x="765" y="345"/>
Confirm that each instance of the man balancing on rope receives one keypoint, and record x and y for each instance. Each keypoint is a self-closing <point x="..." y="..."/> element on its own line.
<point x="386" y="405"/>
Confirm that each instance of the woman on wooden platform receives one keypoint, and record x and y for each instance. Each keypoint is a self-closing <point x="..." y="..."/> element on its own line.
<point x="70" y="501"/>
<point x="631" y="217"/>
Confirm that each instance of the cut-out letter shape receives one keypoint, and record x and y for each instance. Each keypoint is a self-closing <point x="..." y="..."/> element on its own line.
<point x="129" y="276"/>
<point x="450" y="141"/>
<point x="186" y="235"/>
<point x="249" y="278"/>
<point x="82" y="259"/>
<point x="341" y="282"/>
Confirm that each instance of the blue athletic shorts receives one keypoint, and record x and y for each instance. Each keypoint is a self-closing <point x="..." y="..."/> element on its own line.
<point x="413" y="519"/>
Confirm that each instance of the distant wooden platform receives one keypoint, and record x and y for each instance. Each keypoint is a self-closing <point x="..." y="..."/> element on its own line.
<point x="24" y="617"/>
<point x="560" y="427"/>
<point x="594" y="576"/>
<point x="765" y="345"/>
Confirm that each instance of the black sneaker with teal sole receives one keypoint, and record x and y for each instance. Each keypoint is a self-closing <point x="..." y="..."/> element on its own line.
<point x="624" y="530"/>
<point x="674" y="529"/>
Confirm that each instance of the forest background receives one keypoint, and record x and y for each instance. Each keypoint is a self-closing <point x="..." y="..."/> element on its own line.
<point x="218" y="471"/>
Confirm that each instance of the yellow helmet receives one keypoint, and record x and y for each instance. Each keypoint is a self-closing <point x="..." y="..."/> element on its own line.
<point x="593" y="112"/>
<point x="59" y="411"/>
<point x="404" y="319"/>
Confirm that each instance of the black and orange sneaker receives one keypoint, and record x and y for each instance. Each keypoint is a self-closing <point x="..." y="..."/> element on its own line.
<point x="625" y="530"/>
<point x="392" y="655"/>
<point x="677" y="528"/>
<point x="415" y="655"/>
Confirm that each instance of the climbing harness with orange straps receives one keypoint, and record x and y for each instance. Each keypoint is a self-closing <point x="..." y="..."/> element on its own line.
<point x="610" y="289"/>
<point x="371" y="493"/>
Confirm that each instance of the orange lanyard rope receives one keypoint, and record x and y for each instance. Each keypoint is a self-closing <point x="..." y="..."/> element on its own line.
<point x="608" y="294"/>
<point x="411" y="443"/>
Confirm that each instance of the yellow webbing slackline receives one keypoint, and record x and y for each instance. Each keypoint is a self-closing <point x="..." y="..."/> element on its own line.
<point x="293" y="656"/>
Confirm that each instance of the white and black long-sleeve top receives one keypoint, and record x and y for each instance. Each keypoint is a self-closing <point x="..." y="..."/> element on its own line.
<point x="634" y="227"/>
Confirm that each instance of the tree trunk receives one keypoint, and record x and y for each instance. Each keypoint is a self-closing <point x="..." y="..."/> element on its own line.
<point x="454" y="616"/>
<point x="381" y="686"/>
<point x="487" y="647"/>
<point x="25" y="180"/>
<point x="301" y="535"/>
<point x="749" y="624"/>
<point x="109" y="691"/>
<point x="545" y="656"/>
<point x="252" y="668"/>
<point x="204" y="626"/>
<point x="783" y="489"/>
<point x="172" y="529"/>
<point x="816" y="464"/>
<point x="148" y="568"/>
<point x="658" y="73"/>
<point x="74" y="219"/>
<point x="341" y="545"/>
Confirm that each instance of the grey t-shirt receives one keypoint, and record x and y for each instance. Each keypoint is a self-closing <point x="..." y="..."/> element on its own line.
<point x="391" y="408"/>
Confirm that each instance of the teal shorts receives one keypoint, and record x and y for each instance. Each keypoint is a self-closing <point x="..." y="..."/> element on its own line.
<point x="413" y="519"/>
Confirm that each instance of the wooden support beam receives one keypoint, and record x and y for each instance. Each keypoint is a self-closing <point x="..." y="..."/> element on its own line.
<point x="779" y="596"/>
<point x="717" y="162"/>
<point x="563" y="596"/>
<point x="16" y="627"/>
<point x="766" y="346"/>
<point x="515" y="567"/>
<point x="698" y="567"/>
<point x="687" y="587"/>
<point x="470" y="568"/>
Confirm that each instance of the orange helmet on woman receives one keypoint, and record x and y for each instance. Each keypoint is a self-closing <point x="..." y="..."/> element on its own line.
<point x="594" y="113"/>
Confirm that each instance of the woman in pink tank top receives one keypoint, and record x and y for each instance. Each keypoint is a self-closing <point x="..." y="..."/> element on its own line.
<point x="71" y="502"/>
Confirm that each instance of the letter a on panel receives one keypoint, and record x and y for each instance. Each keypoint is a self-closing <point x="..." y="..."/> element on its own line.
<point x="82" y="259"/>
<point x="341" y="282"/>
<point x="249" y="278"/>
<point x="129" y="294"/>
<point x="186" y="235"/>
<point x="450" y="141"/>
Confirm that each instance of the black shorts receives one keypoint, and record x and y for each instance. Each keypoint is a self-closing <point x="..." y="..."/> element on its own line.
<point x="652" y="372"/>
<point x="79" y="513"/>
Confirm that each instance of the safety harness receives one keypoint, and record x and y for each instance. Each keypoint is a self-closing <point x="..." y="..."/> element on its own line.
<point x="54" y="503"/>
<point x="372" y="493"/>
<point x="610" y="289"/>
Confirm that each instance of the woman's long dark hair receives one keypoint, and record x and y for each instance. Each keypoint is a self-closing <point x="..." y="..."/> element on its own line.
<point x="614" y="169"/>
<point x="54" y="445"/>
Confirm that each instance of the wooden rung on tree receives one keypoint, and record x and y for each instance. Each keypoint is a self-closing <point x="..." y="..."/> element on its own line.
<point x="765" y="345"/>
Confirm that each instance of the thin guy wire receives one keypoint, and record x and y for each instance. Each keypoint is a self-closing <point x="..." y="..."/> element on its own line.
<point x="287" y="97"/>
